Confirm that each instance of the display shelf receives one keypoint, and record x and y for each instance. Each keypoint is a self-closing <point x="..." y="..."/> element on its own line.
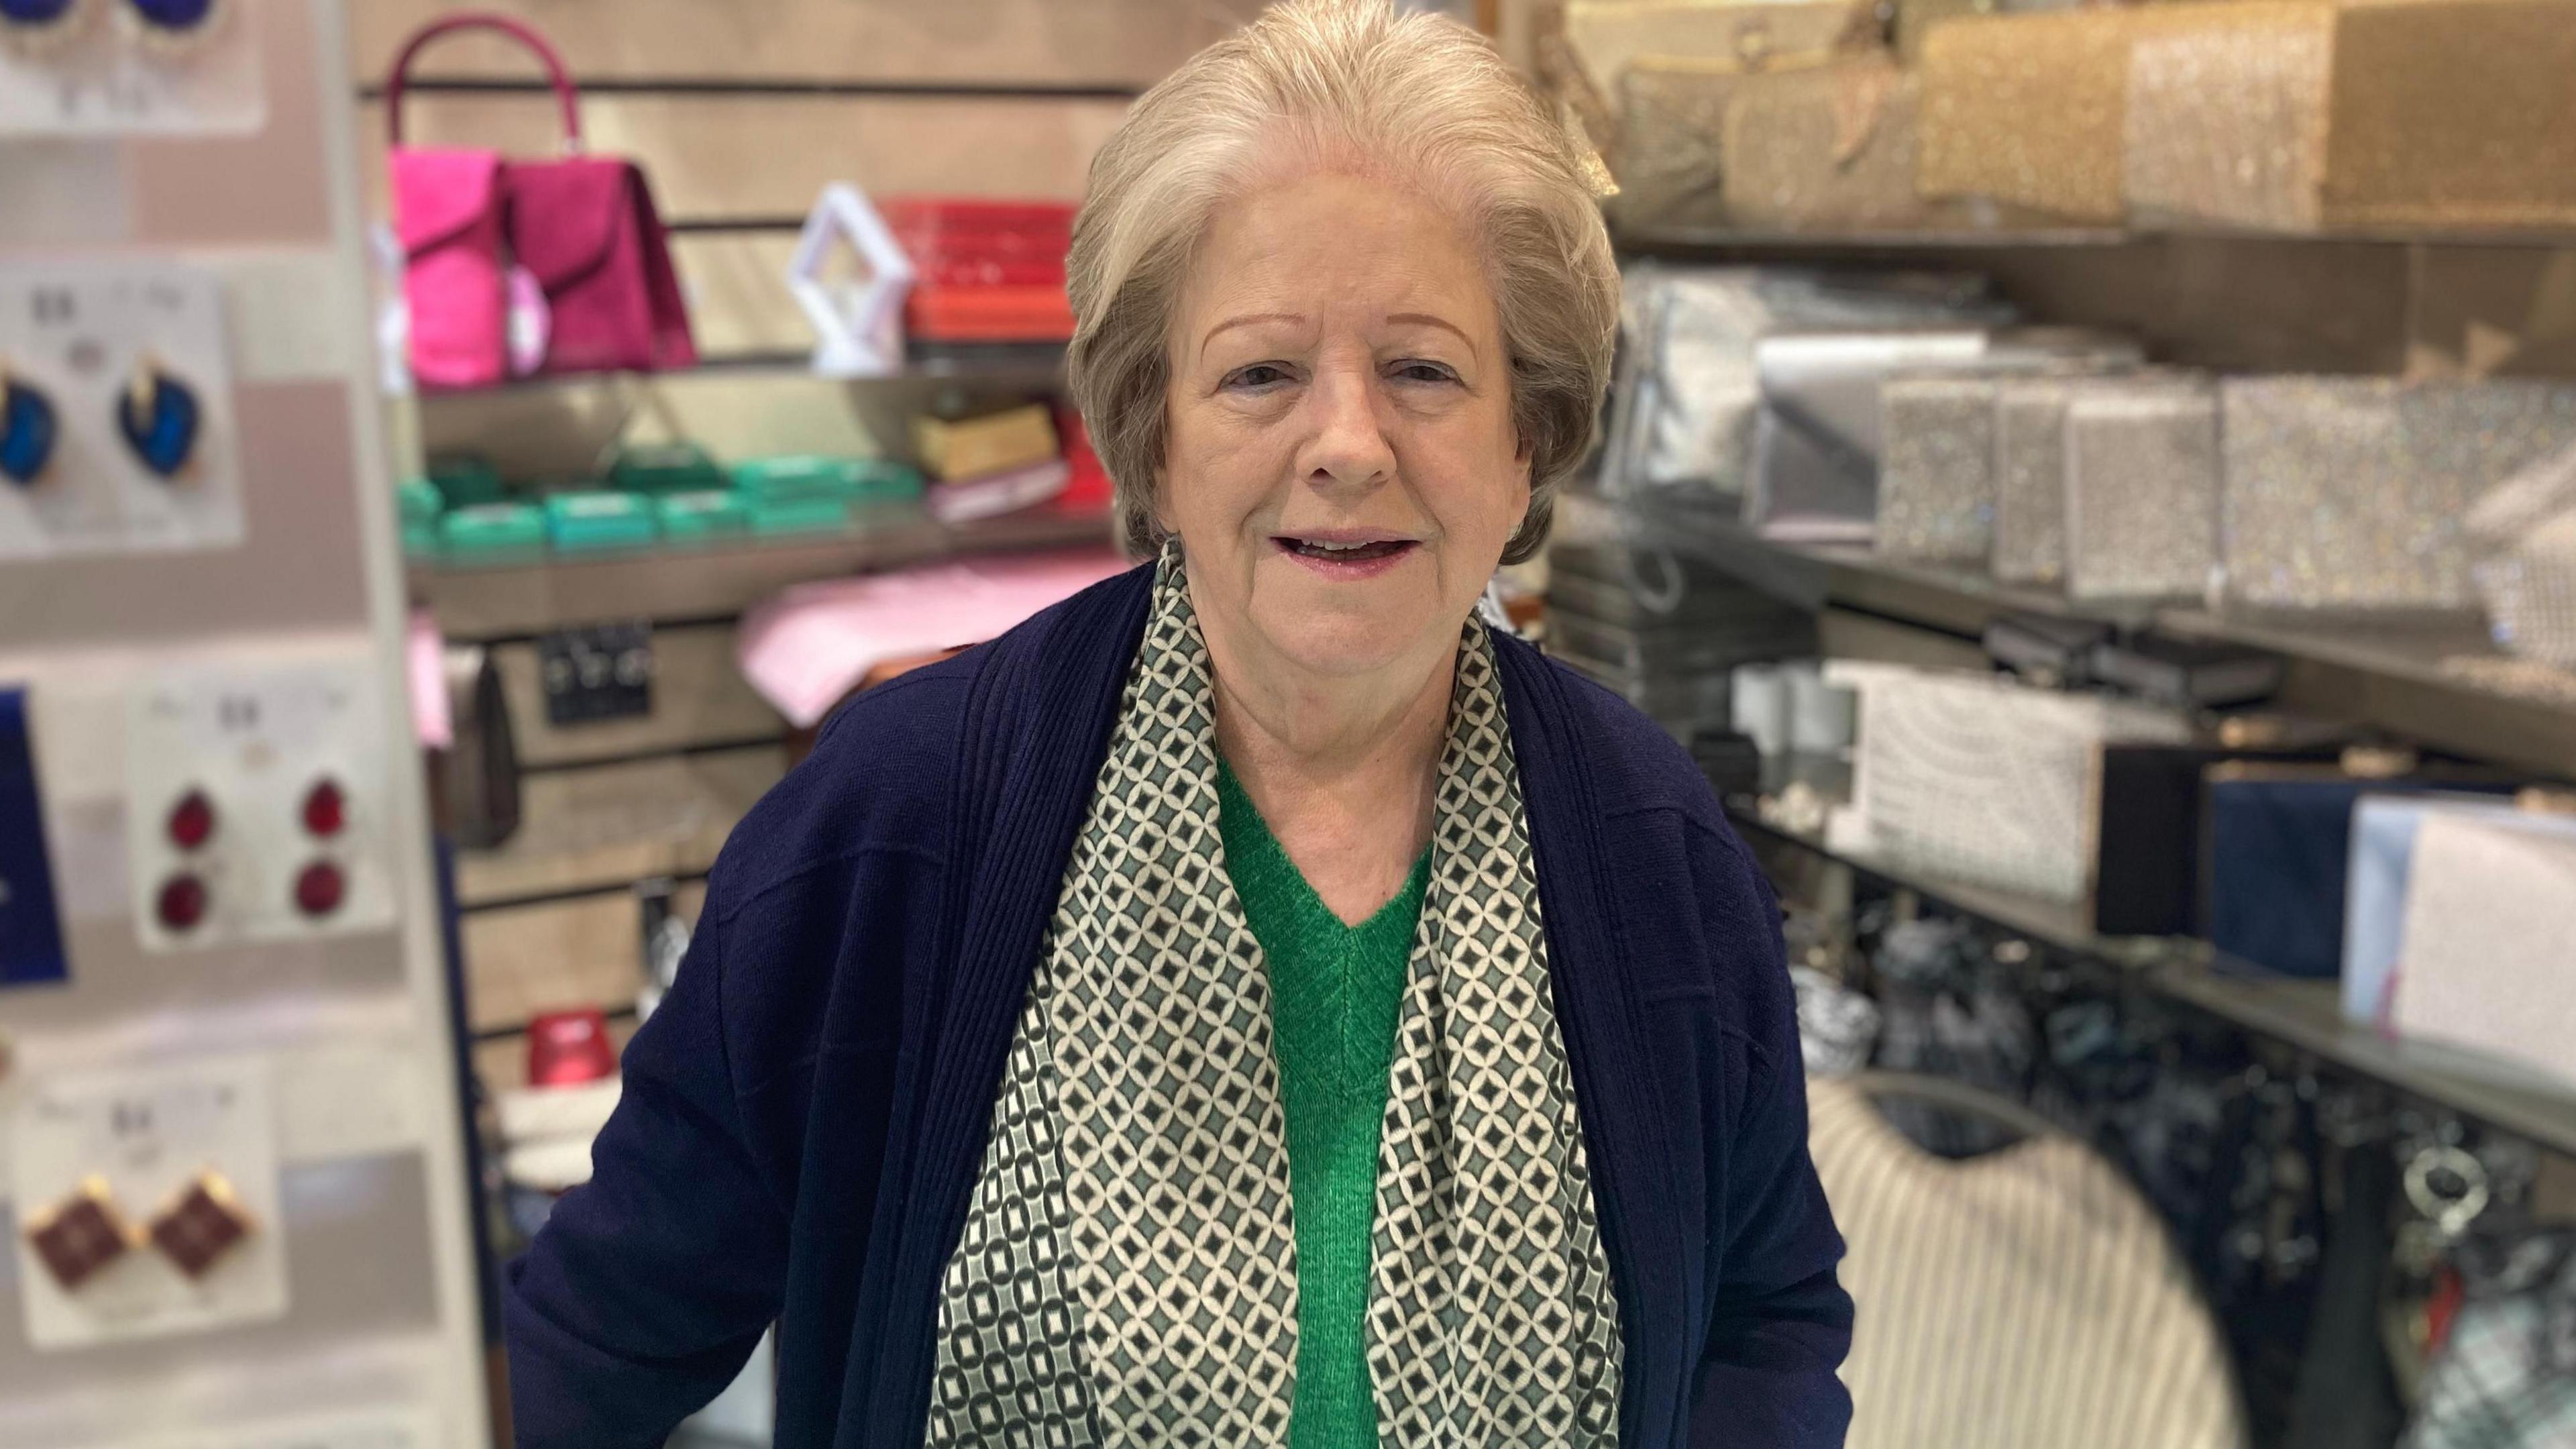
<point x="932" y="362"/>
<point x="1700" y="240"/>
<point x="1697" y="241"/>
<point x="2305" y="1015"/>
<point x="2440" y="682"/>
<point x="2063" y="925"/>
<point x="718" y="579"/>
<point x="2309" y="1015"/>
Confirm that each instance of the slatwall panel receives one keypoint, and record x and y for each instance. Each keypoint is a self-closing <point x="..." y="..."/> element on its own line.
<point x="740" y="113"/>
<point x="501" y="1061"/>
<point x="699" y="699"/>
<point x="982" y="42"/>
<point x="604" y="827"/>
<point x="737" y="157"/>
<point x="585" y="951"/>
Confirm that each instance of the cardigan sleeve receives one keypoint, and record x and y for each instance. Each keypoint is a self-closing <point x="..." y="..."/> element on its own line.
<point x="650" y="1285"/>
<point x="1782" y="1322"/>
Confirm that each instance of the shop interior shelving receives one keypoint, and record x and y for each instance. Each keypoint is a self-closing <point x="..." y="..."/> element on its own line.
<point x="2438" y="681"/>
<point x="2402" y="679"/>
<point x="2304" y="1015"/>
<point x="717" y="579"/>
<point x="998" y="362"/>
<point x="1683" y="241"/>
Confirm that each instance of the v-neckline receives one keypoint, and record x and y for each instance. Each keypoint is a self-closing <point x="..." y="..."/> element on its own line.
<point x="1309" y="904"/>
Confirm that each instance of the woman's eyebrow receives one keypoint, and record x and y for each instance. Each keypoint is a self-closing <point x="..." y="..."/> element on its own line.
<point x="1246" y="320"/>
<point x="1425" y="319"/>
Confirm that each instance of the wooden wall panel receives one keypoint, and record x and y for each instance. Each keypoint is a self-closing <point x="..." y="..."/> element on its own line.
<point x="523" y="960"/>
<point x="2493" y="310"/>
<point x="611" y="825"/>
<point x="2240" y="303"/>
<point x="771" y="155"/>
<point x="736" y="284"/>
<point x="1029" y="41"/>
<point x="699" y="698"/>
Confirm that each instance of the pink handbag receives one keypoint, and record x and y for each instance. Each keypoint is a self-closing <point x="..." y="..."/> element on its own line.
<point x="512" y="267"/>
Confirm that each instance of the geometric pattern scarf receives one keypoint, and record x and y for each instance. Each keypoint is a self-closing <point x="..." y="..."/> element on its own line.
<point x="1128" y="1270"/>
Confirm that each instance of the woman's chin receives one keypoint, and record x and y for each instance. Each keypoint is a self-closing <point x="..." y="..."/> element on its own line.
<point x="1342" y="640"/>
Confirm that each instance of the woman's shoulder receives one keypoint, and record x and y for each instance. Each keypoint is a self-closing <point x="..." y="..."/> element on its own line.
<point x="886" y="768"/>
<point x="1630" y="763"/>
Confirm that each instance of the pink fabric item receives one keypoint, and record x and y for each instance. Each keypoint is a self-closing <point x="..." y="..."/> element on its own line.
<point x="810" y="646"/>
<point x="423" y="661"/>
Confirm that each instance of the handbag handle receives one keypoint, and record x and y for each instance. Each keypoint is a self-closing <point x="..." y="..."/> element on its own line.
<point x="567" y="97"/>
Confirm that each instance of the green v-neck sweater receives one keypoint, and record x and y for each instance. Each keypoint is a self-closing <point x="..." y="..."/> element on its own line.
<point x="1334" y="990"/>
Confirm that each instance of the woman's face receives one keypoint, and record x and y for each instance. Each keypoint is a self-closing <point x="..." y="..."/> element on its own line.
<point x="1341" y="467"/>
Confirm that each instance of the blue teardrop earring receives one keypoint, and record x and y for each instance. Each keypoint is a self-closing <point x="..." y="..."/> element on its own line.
<point x="28" y="430"/>
<point x="34" y="26"/>
<point x="159" y="417"/>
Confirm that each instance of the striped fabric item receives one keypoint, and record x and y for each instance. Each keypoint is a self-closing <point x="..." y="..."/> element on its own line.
<point x="2026" y="1299"/>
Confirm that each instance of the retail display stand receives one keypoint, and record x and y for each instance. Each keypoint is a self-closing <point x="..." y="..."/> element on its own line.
<point x="230" y="1139"/>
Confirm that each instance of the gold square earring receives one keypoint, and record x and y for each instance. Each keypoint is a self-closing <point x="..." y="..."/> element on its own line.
<point x="201" y="1223"/>
<point x="79" y="1237"/>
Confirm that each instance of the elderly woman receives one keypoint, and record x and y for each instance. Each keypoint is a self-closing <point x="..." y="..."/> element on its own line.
<point x="1252" y="1002"/>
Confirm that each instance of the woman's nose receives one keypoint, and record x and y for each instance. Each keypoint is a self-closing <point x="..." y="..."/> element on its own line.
<point x="1349" y="446"/>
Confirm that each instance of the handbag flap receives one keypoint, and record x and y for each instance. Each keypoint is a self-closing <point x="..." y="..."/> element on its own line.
<point x="565" y="214"/>
<point x="440" y="192"/>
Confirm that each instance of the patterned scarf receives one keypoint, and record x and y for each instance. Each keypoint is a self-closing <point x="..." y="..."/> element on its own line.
<point x="1128" y="1272"/>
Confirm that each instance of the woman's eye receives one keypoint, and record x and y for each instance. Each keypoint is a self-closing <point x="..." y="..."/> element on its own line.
<point x="1260" y="374"/>
<point x="1424" y="372"/>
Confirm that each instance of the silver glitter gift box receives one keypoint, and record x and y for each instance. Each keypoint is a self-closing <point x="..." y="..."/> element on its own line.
<point x="2523" y="533"/>
<point x="2030" y="478"/>
<point x="1940" y="467"/>
<point x="2142" y="490"/>
<point x="2030" y="465"/>
<point x="2350" y="494"/>
<point x="1936" y="494"/>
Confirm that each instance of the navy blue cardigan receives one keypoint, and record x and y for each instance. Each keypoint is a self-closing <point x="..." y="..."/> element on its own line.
<point x="804" y="1116"/>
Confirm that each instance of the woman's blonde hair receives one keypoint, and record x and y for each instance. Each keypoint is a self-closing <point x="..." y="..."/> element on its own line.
<point x="1347" y="85"/>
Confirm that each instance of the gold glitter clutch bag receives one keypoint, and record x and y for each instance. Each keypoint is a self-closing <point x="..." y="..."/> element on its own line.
<point x="2029" y="110"/>
<point x="2349" y="494"/>
<point x="1669" y="162"/>
<point x="2227" y="116"/>
<point x="2308" y="116"/>
<point x="1831" y="147"/>
<point x="1588" y="47"/>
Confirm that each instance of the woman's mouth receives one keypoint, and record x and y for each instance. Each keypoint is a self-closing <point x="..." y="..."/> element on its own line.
<point x="1346" y="558"/>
